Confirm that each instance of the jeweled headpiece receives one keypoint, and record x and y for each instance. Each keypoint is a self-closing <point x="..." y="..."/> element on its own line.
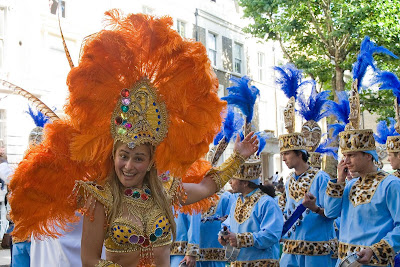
<point x="137" y="82"/>
<point x="353" y="138"/>
<point x="140" y="116"/>
<point x="290" y="82"/>
<point x="388" y="80"/>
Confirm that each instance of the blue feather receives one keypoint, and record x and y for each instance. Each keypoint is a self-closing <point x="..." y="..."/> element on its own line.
<point x="340" y="110"/>
<point x="315" y="107"/>
<point x="242" y="96"/>
<point x="383" y="131"/>
<point x="262" y="141"/>
<point x="231" y="125"/>
<point x="324" y="148"/>
<point x="290" y="80"/>
<point x="337" y="128"/>
<point x="387" y="81"/>
<point x="365" y="58"/>
<point x="39" y="118"/>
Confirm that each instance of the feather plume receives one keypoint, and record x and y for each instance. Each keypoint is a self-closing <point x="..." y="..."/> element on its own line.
<point x="39" y="118"/>
<point x="242" y="96"/>
<point x="262" y="141"/>
<point x="340" y="110"/>
<point x="231" y="125"/>
<point x="365" y="58"/>
<point x="388" y="81"/>
<point x="290" y="80"/>
<point x="36" y="102"/>
<point x="336" y="128"/>
<point x="315" y="107"/>
<point x="383" y="131"/>
<point x="68" y="55"/>
<point x="324" y="148"/>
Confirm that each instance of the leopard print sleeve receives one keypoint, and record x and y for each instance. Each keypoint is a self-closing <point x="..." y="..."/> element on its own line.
<point x="384" y="252"/>
<point x="282" y="201"/>
<point x="244" y="240"/>
<point x="335" y="189"/>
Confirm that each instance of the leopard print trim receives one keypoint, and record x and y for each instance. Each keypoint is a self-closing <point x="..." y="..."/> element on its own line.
<point x="364" y="189"/>
<point x="384" y="252"/>
<point x="335" y="189"/>
<point x="282" y="201"/>
<point x="192" y="250"/>
<point x="308" y="248"/>
<point x="298" y="188"/>
<point x="397" y="173"/>
<point x="244" y="240"/>
<point x="243" y="210"/>
<point x="381" y="250"/>
<point x="334" y="247"/>
<point x="256" y="263"/>
<point x="212" y="254"/>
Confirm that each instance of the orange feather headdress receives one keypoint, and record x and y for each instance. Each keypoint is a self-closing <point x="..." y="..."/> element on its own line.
<point x="134" y="52"/>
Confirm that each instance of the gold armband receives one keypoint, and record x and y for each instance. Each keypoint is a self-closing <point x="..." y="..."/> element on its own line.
<point x="222" y="174"/>
<point x="104" y="263"/>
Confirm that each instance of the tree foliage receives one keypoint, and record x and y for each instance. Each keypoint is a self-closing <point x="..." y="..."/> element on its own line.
<point x="323" y="37"/>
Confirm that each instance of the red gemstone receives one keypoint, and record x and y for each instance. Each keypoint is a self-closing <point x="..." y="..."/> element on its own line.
<point x="118" y="120"/>
<point x="141" y="239"/>
<point x="146" y="242"/>
<point x="128" y="192"/>
<point x="144" y="196"/>
<point x="124" y="92"/>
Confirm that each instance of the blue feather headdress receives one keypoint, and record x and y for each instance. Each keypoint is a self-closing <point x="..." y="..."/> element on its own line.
<point x="262" y="141"/>
<point x="324" y="148"/>
<point x="231" y="125"/>
<point x="365" y="58"/>
<point x="39" y="118"/>
<point x="315" y="107"/>
<point x="340" y="110"/>
<point x="290" y="80"/>
<point x="383" y="131"/>
<point x="388" y="81"/>
<point x="337" y="128"/>
<point x="242" y="96"/>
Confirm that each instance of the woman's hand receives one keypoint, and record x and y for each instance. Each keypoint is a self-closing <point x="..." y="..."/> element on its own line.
<point x="248" y="146"/>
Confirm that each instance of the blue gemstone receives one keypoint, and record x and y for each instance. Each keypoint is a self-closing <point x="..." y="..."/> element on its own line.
<point x="160" y="221"/>
<point x="129" y="231"/>
<point x="159" y="116"/>
<point x="122" y="231"/>
<point x="154" y="103"/>
<point x="117" y="235"/>
<point x="156" y="110"/>
<point x="158" y="232"/>
<point x="159" y="122"/>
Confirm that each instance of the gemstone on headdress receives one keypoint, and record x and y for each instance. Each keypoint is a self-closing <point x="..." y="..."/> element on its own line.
<point x="118" y="120"/>
<point x="125" y="101"/>
<point x="125" y="92"/>
<point x="128" y="125"/>
<point x="131" y="145"/>
<point x="125" y="108"/>
<point x="133" y="239"/>
<point x="121" y="131"/>
<point x="128" y="192"/>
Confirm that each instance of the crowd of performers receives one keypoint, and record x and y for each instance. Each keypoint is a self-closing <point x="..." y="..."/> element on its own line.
<point x="130" y="156"/>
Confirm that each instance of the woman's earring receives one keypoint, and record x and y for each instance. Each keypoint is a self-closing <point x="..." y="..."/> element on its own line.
<point x="150" y="165"/>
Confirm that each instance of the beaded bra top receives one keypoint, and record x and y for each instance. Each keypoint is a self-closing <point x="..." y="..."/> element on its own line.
<point x="139" y="224"/>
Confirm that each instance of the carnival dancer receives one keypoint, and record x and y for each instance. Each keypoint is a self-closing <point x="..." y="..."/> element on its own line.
<point x="369" y="205"/>
<point x="185" y="248"/>
<point x="310" y="240"/>
<point x="142" y="102"/>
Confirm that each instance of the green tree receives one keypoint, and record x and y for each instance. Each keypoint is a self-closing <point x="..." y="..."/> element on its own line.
<point x="323" y="37"/>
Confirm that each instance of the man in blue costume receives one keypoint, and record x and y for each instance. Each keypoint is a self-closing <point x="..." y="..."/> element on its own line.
<point x="186" y="246"/>
<point x="255" y="221"/>
<point x="212" y="254"/>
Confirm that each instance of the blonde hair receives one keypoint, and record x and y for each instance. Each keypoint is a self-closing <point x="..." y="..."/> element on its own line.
<point x="155" y="185"/>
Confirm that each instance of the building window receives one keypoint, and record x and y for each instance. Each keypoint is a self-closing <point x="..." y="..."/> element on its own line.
<point x="212" y="48"/>
<point x="3" y="126"/>
<point x="260" y="65"/>
<point x="181" y="27"/>
<point x="2" y="34"/>
<point x="238" y="55"/>
<point x="55" y="7"/>
<point x="148" y="10"/>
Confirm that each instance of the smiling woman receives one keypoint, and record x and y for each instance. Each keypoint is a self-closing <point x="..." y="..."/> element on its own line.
<point x="143" y="104"/>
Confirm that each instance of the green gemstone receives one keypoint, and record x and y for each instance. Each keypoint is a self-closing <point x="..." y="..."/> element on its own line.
<point x="136" y="194"/>
<point x="153" y="237"/>
<point x="121" y="131"/>
<point x="125" y="108"/>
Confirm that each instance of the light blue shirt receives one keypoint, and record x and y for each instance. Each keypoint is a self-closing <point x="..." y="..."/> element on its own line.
<point x="311" y="226"/>
<point x="265" y="223"/>
<point x="368" y="223"/>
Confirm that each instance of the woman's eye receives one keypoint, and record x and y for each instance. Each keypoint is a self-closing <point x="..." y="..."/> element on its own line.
<point x="139" y="159"/>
